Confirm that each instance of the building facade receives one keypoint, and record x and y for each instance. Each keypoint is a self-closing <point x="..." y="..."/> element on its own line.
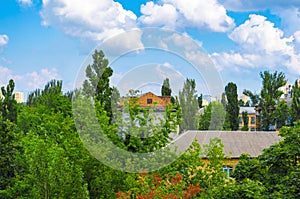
<point x="149" y="100"/>
<point x="252" y="119"/>
<point x="19" y="97"/>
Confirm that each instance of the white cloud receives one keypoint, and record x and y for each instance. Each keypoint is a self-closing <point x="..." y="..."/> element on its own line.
<point x="258" y="34"/>
<point x="180" y="41"/>
<point x="29" y="81"/>
<point x="91" y="19"/>
<point x="158" y="15"/>
<point x="3" y="40"/>
<point x="260" y="45"/>
<point x="123" y="43"/>
<point x="25" y="2"/>
<point x="189" y="13"/>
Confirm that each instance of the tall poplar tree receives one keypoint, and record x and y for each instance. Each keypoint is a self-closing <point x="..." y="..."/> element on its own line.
<point x="295" y="107"/>
<point x="270" y="94"/>
<point x="166" y="89"/>
<point x="232" y="107"/>
<point x="8" y="104"/>
<point x="97" y="83"/>
<point x="189" y="104"/>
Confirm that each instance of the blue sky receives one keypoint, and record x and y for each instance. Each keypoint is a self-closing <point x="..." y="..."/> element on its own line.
<point x="52" y="39"/>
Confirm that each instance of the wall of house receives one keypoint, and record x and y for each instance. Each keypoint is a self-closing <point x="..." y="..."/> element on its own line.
<point x="149" y="99"/>
<point x="252" y="124"/>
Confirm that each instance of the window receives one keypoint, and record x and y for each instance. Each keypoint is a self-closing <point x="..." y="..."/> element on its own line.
<point x="240" y="120"/>
<point x="149" y="101"/>
<point x="252" y="129"/>
<point x="252" y="120"/>
<point x="227" y="170"/>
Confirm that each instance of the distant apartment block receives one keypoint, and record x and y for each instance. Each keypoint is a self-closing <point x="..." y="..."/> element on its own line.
<point x="19" y="97"/>
<point x="287" y="90"/>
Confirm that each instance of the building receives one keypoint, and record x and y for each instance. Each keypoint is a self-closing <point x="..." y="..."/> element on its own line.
<point x="205" y="102"/>
<point x="287" y="91"/>
<point x="235" y="143"/>
<point x="149" y="100"/>
<point x="252" y="120"/>
<point x="19" y="97"/>
<point x="244" y="98"/>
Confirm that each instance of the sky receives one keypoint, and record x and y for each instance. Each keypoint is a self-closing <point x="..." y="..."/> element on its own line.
<point x="233" y="39"/>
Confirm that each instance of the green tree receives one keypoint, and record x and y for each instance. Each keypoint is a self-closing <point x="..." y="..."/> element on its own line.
<point x="189" y="105"/>
<point x="295" y="107"/>
<point x="254" y="98"/>
<point x="97" y="84"/>
<point x="9" y="148"/>
<point x="232" y="107"/>
<point x="277" y="168"/>
<point x="50" y="171"/>
<point x="241" y="103"/>
<point x="8" y="105"/>
<point x="281" y="114"/>
<point x="213" y="117"/>
<point x="270" y="94"/>
<point x="200" y="101"/>
<point x="245" y="120"/>
<point x="166" y="89"/>
<point x="52" y="97"/>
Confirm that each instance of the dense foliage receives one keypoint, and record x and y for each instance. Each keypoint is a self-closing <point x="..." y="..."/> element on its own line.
<point x="232" y="107"/>
<point x="42" y="154"/>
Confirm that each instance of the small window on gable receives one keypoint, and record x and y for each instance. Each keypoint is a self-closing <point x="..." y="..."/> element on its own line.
<point x="149" y="101"/>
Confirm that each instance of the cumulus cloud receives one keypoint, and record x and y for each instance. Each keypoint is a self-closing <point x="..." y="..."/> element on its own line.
<point x="258" y="34"/>
<point x="3" y="40"/>
<point x="29" y="81"/>
<point x="158" y="15"/>
<point x="207" y="14"/>
<point x="90" y="19"/>
<point x="260" y="44"/>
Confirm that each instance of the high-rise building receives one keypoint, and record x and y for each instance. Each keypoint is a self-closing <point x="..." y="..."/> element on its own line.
<point x="19" y="97"/>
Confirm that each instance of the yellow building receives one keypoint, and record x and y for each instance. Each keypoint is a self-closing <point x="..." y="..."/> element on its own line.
<point x="235" y="143"/>
<point x="252" y="122"/>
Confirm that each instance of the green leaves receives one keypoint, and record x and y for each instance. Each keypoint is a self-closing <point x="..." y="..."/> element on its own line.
<point x="166" y="89"/>
<point x="232" y="107"/>
<point x="8" y="104"/>
<point x="189" y="105"/>
<point x="277" y="168"/>
<point x="270" y="94"/>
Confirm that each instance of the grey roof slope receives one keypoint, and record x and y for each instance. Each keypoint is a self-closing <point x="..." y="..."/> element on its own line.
<point x="249" y="110"/>
<point x="235" y="142"/>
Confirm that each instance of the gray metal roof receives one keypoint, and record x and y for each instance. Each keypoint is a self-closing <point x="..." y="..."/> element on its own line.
<point x="249" y="110"/>
<point x="235" y="142"/>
